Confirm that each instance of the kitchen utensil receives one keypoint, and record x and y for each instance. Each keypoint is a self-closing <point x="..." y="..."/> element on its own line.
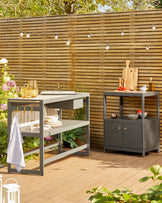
<point x="140" y="115"/>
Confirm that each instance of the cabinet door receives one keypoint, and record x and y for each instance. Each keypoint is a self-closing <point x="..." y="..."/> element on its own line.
<point x="131" y="136"/>
<point x="113" y="134"/>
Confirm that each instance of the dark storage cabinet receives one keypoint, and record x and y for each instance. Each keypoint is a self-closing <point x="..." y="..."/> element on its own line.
<point x="140" y="135"/>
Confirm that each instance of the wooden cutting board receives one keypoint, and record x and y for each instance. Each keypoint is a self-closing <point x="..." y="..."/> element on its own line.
<point x="126" y="74"/>
<point x="131" y="77"/>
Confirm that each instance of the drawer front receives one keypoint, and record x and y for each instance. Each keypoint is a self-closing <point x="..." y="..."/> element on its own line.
<point x="70" y="104"/>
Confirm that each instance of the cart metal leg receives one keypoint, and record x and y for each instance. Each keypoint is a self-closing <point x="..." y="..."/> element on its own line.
<point x="87" y="152"/>
<point x="60" y="135"/>
<point x="143" y="117"/>
<point x="158" y="117"/>
<point x="87" y="102"/>
<point x="41" y="120"/>
<point x="9" y="128"/>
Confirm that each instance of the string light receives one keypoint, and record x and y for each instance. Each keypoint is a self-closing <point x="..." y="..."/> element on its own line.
<point x="21" y="34"/>
<point x="147" y="47"/>
<point x="68" y="42"/>
<point x="28" y="35"/>
<point x="153" y="27"/>
<point x="56" y="36"/>
<point x="107" y="46"/>
<point x="122" y="33"/>
<point x="89" y="36"/>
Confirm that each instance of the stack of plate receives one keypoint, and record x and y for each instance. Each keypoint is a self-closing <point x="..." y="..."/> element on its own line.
<point x="52" y="121"/>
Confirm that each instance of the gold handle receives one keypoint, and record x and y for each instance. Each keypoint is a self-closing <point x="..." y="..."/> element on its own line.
<point x="125" y="128"/>
<point x="119" y="128"/>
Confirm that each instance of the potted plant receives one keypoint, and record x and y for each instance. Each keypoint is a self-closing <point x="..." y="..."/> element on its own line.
<point x="69" y="138"/>
<point x="73" y="137"/>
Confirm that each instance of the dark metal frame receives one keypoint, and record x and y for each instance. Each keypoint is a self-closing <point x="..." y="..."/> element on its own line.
<point x="143" y="95"/>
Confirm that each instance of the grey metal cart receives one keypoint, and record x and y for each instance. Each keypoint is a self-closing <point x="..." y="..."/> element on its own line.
<point x="123" y="134"/>
<point x="73" y="101"/>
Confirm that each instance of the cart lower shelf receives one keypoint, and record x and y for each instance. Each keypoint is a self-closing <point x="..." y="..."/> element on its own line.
<point x="66" y="125"/>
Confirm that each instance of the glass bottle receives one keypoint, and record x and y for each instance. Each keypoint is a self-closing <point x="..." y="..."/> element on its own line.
<point x="151" y="85"/>
<point x="120" y="83"/>
<point x="123" y="83"/>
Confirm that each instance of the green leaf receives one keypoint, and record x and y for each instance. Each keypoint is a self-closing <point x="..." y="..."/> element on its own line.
<point x="159" y="193"/>
<point x="145" y="178"/>
<point x="105" y="190"/>
<point x="156" y="169"/>
<point x="126" y="197"/>
<point x="159" y="178"/>
<point x="143" y="197"/>
<point x="117" y="191"/>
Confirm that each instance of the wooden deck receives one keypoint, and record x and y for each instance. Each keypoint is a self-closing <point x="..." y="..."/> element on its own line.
<point x="67" y="180"/>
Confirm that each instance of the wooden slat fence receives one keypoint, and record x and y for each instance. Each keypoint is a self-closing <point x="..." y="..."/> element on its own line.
<point x="85" y="62"/>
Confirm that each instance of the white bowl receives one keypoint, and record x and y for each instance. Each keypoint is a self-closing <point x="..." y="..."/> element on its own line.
<point x="132" y="116"/>
<point x="143" y="89"/>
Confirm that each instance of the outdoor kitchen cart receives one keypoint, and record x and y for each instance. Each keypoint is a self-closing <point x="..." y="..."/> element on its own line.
<point x="69" y="101"/>
<point x="140" y="135"/>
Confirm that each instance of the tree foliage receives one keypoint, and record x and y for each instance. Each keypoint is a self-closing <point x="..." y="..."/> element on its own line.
<point x="31" y="8"/>
<point x="127" y="5"/>
<point x="157" y="4"/>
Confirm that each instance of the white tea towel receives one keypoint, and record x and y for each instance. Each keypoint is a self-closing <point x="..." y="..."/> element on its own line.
<point x="15" y="153"/>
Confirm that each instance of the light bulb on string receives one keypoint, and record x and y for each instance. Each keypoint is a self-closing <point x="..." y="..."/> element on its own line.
<point x="68" y="42"/>
<point x="107" y="46"/>
<point x="153" y="27"/>
<point x="21" y="34"/>
<point x="89" y="35"/>
<point x="122" y="33"/>
<point x="147" y="47"/>
<point x="56" y="36"/>
<point x="28" y="35"/>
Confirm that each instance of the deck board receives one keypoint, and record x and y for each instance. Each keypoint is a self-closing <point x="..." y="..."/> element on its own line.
<point x="67" y="180"/>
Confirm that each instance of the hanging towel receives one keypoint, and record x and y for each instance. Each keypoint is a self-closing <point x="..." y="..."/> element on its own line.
<point x="15" y="153"/>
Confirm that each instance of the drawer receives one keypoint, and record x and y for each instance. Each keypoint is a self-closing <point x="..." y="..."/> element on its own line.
<point x="70" y="104"/>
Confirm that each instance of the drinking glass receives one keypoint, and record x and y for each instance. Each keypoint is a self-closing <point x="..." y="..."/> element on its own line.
<point x="34" y="87"/>
<point x="23" y="91"/>
<point x="28" y="92"/>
